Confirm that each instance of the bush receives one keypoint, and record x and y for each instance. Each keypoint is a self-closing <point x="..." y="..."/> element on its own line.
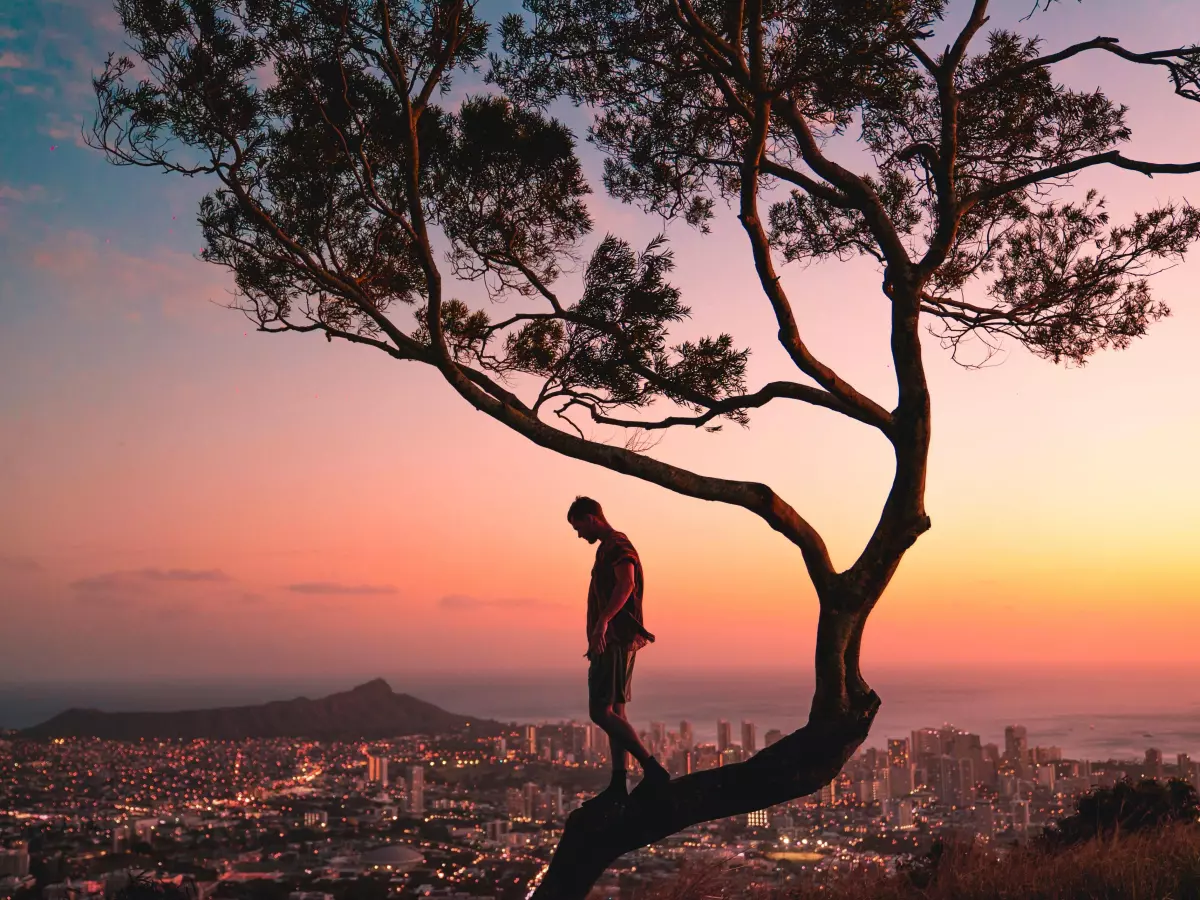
<point x="1147" y="865"/>
<point x="1125" y="808"/>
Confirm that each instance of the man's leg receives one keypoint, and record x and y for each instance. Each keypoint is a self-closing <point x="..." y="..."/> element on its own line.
<point x="601" y="714"/>
<point x="601" y="694"/>
<point x="621" y="732"/>
<point x="653" y="774"/>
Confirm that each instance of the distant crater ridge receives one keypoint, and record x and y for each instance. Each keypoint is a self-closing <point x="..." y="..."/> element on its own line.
<point x="369" y="711"/>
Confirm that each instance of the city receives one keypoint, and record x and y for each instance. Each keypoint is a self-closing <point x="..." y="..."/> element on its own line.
<point x="453" y="816"/>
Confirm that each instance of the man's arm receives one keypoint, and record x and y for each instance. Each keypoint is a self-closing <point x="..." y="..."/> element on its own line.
<point x="622" y="588"/>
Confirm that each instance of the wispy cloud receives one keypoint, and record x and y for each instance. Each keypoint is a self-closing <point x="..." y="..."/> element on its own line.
<point x="115" y="281"/>
<point x="333" y="587"/>
<point x="142" y="579"/>
<point x="29" y="194"/>
<point x="20" y="564"/>
<point x="10" y="60"/>
<point x="61" y="129"/>
<point x="464" y="602"/>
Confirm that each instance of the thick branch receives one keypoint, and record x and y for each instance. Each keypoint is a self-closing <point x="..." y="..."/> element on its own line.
<point x="1110" y="158"/>
<point x="793" y="767"/>
<point x="479" y="390"/>
<point x="1165" y="58"/>
<point x="945" y="167"/>
<point x="789" y="332"/>
<point x="776" y="389"/>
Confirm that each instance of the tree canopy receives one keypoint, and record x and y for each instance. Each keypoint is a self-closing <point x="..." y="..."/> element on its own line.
<point x="342" y="169"/>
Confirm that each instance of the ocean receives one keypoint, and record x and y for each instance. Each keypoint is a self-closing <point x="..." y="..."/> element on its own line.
<point x="1089" y="713"/>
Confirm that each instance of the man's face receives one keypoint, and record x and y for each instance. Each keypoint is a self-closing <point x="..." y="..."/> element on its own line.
<point x="585" y="526"/>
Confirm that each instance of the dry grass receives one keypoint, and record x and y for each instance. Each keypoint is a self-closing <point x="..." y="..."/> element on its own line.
<point x="1163" y="865"/>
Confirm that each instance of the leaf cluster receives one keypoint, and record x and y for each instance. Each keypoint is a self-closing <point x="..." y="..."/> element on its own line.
<point x="965" y="147"/>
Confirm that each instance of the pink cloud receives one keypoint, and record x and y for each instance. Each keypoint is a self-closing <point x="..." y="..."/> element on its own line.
<point x="98" y="278"/>
<point x="10" y="60"/>
<point x="29" y="194"/>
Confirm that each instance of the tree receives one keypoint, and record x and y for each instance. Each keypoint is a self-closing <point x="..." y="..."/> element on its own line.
<point x="1125" y="808"/>
<point x="337" y="173"/>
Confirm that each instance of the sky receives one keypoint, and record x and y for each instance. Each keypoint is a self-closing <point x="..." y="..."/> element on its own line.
<point x="183" y="497"/>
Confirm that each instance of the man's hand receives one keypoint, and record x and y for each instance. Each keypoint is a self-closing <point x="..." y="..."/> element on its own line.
<point x="596" y="640"/>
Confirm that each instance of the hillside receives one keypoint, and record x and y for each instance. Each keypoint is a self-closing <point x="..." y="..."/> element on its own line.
<point x="371" y="710"/>
<point x="1153" y="865"/>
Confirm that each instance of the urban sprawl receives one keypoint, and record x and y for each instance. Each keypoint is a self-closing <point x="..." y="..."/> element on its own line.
<point x="457" y="816"/>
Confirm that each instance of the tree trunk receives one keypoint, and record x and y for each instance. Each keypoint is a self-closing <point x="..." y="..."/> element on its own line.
<point x="798" y="765"/>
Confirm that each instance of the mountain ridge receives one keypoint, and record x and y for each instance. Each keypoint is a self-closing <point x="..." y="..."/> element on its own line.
<point x="370" y="710"/>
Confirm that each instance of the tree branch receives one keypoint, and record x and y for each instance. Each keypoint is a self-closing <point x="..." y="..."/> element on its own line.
<point x="793" y="767"/>
<point x="1180" y="73"/>
<point x="1111" y="158"/>
<point x="861" y="195"/>
<point x="483" y="394"/>
<point x="774" y="390"/>
<point x="789" y="332"/>
<point x="946" y="166"/>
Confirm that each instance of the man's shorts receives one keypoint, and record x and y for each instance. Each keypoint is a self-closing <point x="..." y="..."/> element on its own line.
<point x="610" y="676"/>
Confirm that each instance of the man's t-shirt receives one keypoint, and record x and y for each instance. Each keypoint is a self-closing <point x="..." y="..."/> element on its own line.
<point x="626" y="626"/>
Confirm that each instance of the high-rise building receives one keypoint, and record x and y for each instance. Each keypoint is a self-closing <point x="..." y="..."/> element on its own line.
<point x="1183" y="766"/>
<point x="828" y="794"/>
<point x="686" y="737"/>
<point x="598" y="741"/>
<point x="898" y="752"/>
<point x="1016" y="744"/>
<point x="515" y="801"/>
<point x="658" y="734"/>
<point x="985" y="819"/>
<point x="377" y="769"/>
<point x="532" y="798"/>
<point x="724" y="736"/>
<point x="1154" y="763"/>
<point x="416" y="791"/>
<point x="15" y="860"/>
<point x="1020" y="814"/>
<point x="901" y="780"/>
<point x="926" y="742"/>
<point x="773" y="736"/>
<point x="964" y="794"/>
<point x="869" y="791"/>
<point x="530" y="735"/>
<point x="749" y="739"/>
<point x="1044" y="775"/>
<point x="760" y="818"/>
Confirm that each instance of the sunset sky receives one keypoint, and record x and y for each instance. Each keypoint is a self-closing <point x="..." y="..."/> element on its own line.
<point x="182" y="496"/>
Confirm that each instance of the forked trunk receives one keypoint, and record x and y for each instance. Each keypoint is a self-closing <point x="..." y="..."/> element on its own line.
<point x="800" y="764"/>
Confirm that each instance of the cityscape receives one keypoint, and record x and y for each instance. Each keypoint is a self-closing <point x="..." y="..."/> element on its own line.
<point x="454" y="816"/>
<point x="611" y="371"/>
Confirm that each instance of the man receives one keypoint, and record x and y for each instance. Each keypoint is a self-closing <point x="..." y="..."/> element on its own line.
<point x="615" y="634"/>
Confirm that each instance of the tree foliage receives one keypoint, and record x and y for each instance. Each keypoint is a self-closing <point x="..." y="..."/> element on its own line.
<point x="1125" y="808"/>
<point x="347" y="178"/>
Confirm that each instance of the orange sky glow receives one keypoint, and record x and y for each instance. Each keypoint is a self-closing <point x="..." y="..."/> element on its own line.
<point x="181" y="498"/>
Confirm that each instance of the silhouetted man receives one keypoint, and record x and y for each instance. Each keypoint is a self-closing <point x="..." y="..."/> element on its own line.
<point x="615" y="634"/>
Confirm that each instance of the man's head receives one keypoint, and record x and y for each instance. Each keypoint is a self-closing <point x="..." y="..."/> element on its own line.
<point x="587" y="518"/>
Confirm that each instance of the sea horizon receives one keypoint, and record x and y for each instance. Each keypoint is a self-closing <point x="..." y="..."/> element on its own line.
<point x="1089" y="711"/>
